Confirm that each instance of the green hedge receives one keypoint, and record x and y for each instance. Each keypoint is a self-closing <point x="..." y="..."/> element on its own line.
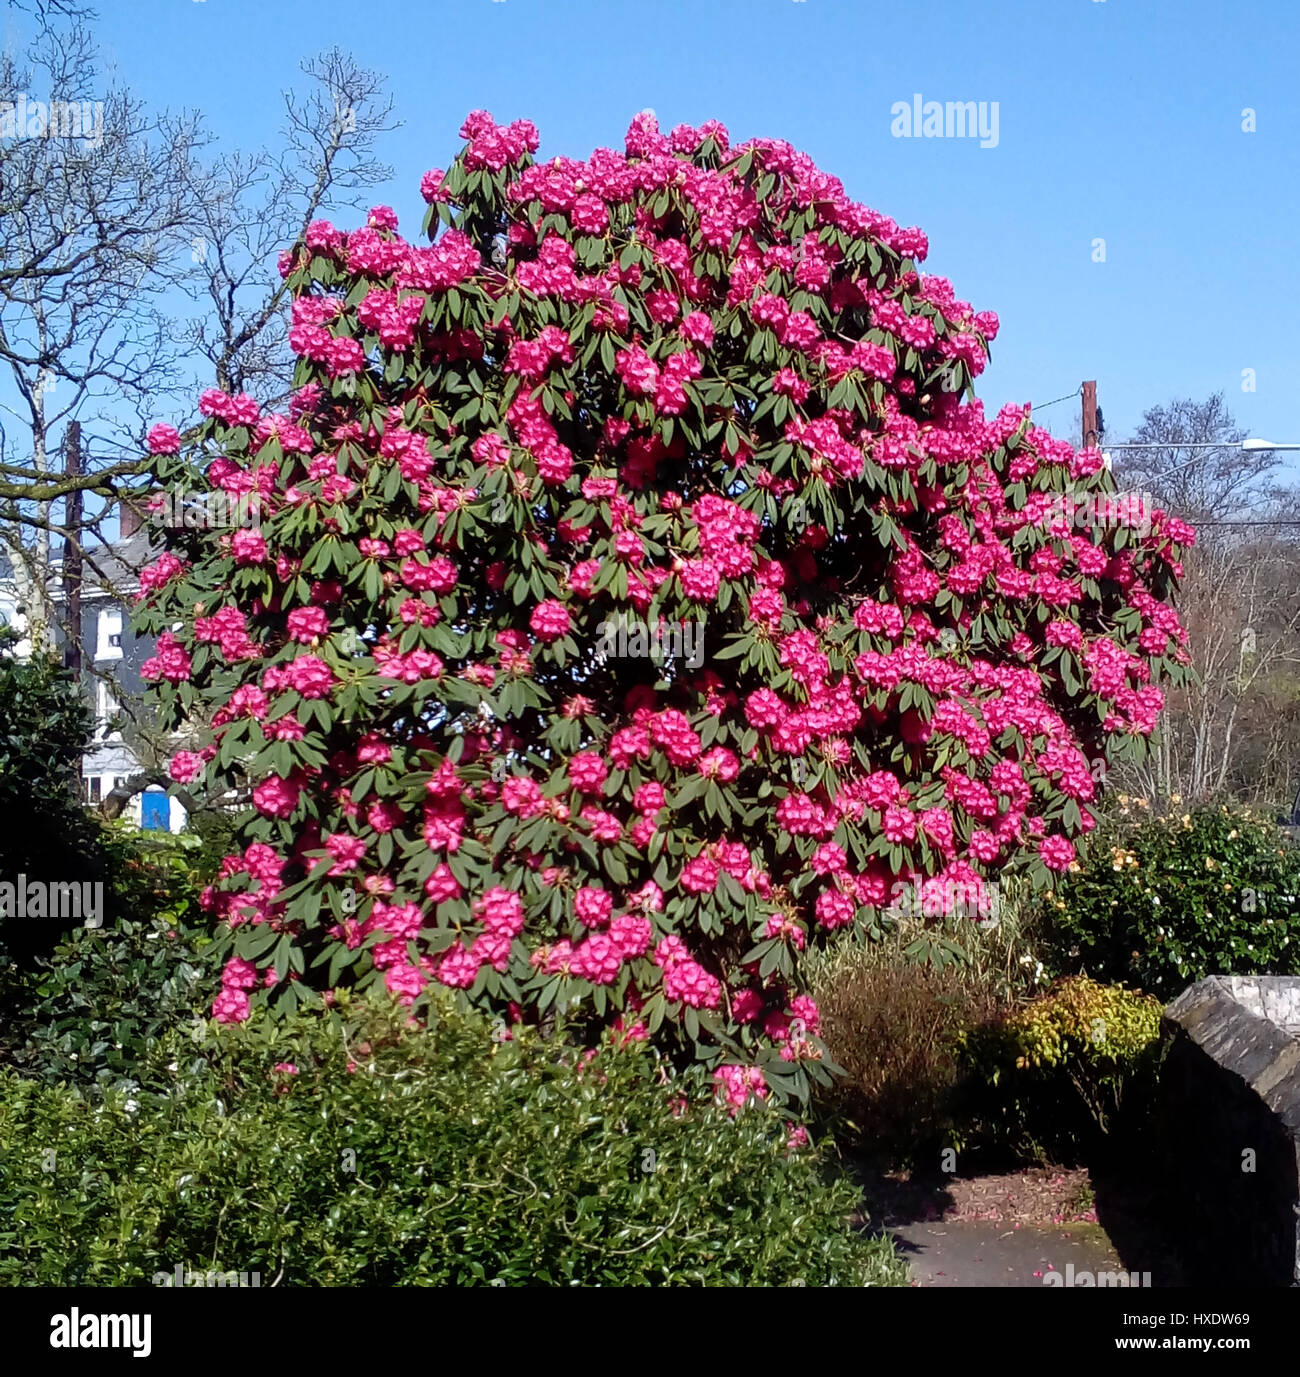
<point x="1160" y="903"/>
<point x="396" y="1156"/>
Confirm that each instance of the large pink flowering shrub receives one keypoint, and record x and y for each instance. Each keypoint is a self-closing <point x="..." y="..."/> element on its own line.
<point x="685" y="384"/>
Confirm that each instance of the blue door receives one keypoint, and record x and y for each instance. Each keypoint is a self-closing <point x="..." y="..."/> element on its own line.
<point x="155" y="811"/>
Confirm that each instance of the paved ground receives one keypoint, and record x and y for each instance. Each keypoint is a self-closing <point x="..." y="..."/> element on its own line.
<point x="971" y="1252"/>
<point x="1016" y="1228"/>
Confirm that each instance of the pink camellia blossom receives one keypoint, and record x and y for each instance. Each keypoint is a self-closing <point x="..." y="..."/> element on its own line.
<point x="276" y="797"/>
<point x="522" y="796"/>
<point x="639" y="372"/>
<point x="698" y="328"/>
<point x="1057" y="852"/>
<point x="239" y="974"/>
<point x="649" y="898"/>
<point x="442" y="885"/>
<point x="593" y="906"/>
<point x="346" y="852"/>
<point x="587" y="771"/>
<point x="344" y="356"/>
<point x="385" y="815"/>
<point x="310" y="676"/>
<point x="650" y="798"/>
<point x="248" y="547"/>
<point x="213" y="402"/>
<point x="631" y="935"/>
<point x="231" y="1006"/>
<point x="405" y="982"/>
<point x="458" y="968"/>
<point x="700" y="876"/>
<point x="834" y="909"/>
<point x="374" y="750"/>
<point x="491" y="949"/>
<point x="248" y="701"/>
<point x="898" y="825"/>
<point x="737" y="1085"/>
<point x="160" y="573"/>
<point x="692" y="984"/>
<point x="598" y="959"/>
<point x="501" y="911"/>
<point x="720" y="764"/>
<point x="169" y="661"/>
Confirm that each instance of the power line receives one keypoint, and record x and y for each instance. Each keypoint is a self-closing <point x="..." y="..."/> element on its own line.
<point x="1035" y="406"/>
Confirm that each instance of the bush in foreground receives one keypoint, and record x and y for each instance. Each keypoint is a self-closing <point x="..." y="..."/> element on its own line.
<point x="47" y="835"/>
<point x="332" y="1152"/>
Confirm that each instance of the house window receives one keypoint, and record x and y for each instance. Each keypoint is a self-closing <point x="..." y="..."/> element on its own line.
<point x="92" y="789"/>
<point x="109" y="645"/>
<point x="106" y="708"/>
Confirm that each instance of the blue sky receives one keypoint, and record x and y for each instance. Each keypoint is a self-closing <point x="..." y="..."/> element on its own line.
<point x="1117" y="119"/>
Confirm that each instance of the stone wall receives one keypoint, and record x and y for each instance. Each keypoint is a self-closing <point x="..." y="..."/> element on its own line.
<point x="1230" y="1130"/>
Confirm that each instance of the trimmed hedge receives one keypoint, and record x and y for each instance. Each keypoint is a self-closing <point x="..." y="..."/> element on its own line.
<point x="378" y="1154"/>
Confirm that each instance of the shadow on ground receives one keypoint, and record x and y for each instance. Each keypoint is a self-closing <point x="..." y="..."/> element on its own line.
<point x="1017" y="1228"/>
<point x="1132" y="1210"/>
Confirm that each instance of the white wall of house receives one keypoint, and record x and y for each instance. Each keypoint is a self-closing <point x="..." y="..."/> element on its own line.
<point x="10" y="597"/>
<point x="107" y="761"/>
<point x="103" y="770"/>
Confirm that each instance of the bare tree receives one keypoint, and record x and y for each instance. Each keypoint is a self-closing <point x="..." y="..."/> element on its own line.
<point x="252" y="206"/>
<point x="111" y="219"/>
<point x="99" y="238"/>
<point x="94" y="196"/>
<point x="1234" y="729"/>
<point x="1198" y="485"/>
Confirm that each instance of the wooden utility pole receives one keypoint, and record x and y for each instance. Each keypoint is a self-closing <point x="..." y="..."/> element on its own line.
<point x="72" y="567"/>
<point x="1090" y="436"/>
<point x="72" y="573"/>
